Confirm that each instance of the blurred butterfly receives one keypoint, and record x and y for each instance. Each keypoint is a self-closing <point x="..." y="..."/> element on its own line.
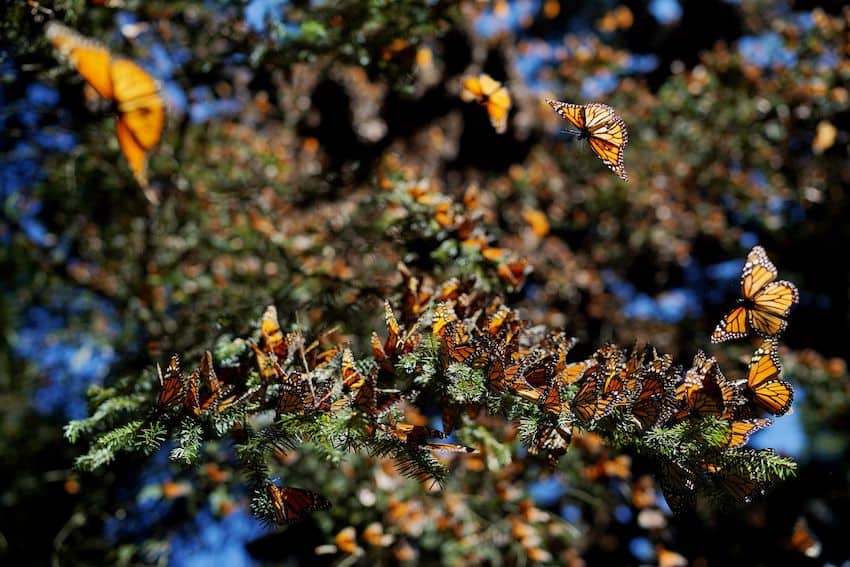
<point x="418" y="436"/>
<point x="271" y="336"/>
<point x="765" y="304"/>
<point x="490" y="93"/>
<point x="602" y="127"/>
<point x="291" y="504"/>
<point x="551" y="440"/>
<point x="136" y="95"/>
<point x="804" y="541"/>
<point x="767" y="390"/>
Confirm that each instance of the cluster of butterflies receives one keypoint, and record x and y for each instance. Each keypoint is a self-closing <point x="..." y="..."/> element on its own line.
<point x="463" y="221"/>
<point x="198" y="393"/>
<point x="597" y="123"/>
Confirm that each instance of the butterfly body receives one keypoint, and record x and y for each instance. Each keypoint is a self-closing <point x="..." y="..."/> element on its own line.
<point x="602" y="127"/>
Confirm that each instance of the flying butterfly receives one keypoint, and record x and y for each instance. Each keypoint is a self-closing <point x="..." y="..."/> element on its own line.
<point x="763" y="382"/>
<point x="134" y="92"/>
<point x="491" y="94"/>
<point x="291" y="504"/>
<point x="804" y="541"/>
<point x="765" y="304"/>
<point x="602" y="127"/>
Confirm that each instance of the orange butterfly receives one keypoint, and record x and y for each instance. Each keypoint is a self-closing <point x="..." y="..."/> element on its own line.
<point x="551" y="439"/>
<point x="291" y="504"/>
<point x="490" y="93"/>
<point x="740" y="431"/>
<point x="418" y="435"/>
<point x="804" y="541"/>
<point x="706" y="391"/>
<point x="171" y="384"/>
<point x="768" y="391"/>
<point x="602" y="127"/>
<point x="590" y="404"/>
<point x="141" y="109"/>
<point x="656" y="403"/>
<point x="765" y="305"/>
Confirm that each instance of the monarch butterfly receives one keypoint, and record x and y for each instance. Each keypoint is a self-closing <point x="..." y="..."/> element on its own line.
<point x="739" y="487"/>
<point x="765" y="304"/>
<point x="490" y="93"/>
<point x="294" y="398"/>
<point x="171" y="384"/>
<point x="804" y="541"/>
<point x="589" y="405"/>
<point x="677" y="484"/>
<point x="740" y="431"/>
<point x="706" y="391"/>
<point x="602" y="127"/>
<point x="271" y="336"/>
<point x="418" y="435"/>
<point x="656" y="403"/>
<point x="290" y="504"/>
<point x="619" y="377"/>
<point x="551" y="439"/>
<point x="767" y="390"/>
<point x="141" y="109"/>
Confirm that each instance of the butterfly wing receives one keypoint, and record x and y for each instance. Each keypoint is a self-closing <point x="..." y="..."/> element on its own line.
<point x="293" y="504"/>
<point x="608" y="136"/>
<point x="740" y="431"/>
<point x="769" y="392"/>
<point x="91" y="59"/>
<point x="171" y="384"/>
<point x="734" y="325"/>
<point x="572" y="113"/>
<point x="141" y="114"/>
<point x="758" y="272"/>
<point x="771" y="306"/>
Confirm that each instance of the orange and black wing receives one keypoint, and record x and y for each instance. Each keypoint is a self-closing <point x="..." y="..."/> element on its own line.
<point x="291" y="504"/>
<point x="572" y="113"/>
<point x="608" y="136"/>
<point x="766" y="388"/>
<point x="740" y="431"/>
<point x="141" y="114"/>
<point x="171" y="385"/>
<point x="141" y="109"/>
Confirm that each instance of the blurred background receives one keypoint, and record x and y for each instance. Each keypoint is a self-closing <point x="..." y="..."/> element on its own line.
<point x="300" y="137"/>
